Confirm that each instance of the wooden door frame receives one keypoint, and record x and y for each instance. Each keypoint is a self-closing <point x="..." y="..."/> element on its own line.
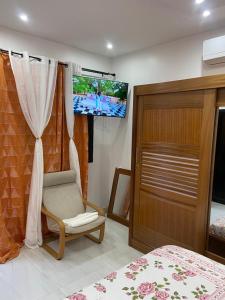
<point x="133" y="175"/>
<point x="211" y="179"/>
<point x="193" y="84"/>
<point x="198" y="83"/>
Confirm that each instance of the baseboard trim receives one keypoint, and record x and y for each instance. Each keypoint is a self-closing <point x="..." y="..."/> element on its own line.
<point x="215" y="257"/>
<point x="140" y="246"/>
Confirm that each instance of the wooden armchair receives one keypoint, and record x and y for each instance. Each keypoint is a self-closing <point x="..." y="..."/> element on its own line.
<point x="62" y="200"/>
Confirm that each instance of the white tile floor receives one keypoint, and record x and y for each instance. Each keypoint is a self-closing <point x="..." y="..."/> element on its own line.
<point x="35" y="275"/>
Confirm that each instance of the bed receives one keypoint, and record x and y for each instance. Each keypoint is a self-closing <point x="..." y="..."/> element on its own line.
<point x="166" y="273"/>
<point x="217" y="220"/>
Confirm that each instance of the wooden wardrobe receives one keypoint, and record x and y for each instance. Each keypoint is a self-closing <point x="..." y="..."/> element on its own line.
<point x="172" y="161"/>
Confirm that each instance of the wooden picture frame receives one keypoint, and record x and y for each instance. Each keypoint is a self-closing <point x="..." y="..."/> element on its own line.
<point x="111" y="214"/>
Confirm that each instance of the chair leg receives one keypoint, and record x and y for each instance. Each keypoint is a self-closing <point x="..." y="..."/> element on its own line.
<point x="58" y="255"/>
<point x="61" y="245"/>
<point x="101" y="235"/>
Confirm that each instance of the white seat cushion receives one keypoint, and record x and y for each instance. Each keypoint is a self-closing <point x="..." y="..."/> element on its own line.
<point x="81" y="219"/>
<point x="52" y="226"/>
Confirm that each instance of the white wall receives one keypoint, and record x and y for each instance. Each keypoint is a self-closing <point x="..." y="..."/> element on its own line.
<point x="98" y="171"/>
<point x="10" y="39"/>
<point x="180" y="59"/>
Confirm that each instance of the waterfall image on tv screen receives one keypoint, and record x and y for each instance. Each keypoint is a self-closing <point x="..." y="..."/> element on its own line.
<point x="99" y="97"/>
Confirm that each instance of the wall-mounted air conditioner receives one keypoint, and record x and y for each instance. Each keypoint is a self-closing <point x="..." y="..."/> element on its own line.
<point x="214" y="50"/>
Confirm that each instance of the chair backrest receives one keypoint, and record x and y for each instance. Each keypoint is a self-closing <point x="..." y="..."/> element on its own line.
<point x="61" y="195"/>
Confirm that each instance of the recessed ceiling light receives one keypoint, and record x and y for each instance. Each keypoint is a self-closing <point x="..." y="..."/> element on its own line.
<point x="23" y="17"/>
<point x="206" y="13"/>
<point x="199" y="1"/>
<point x="109" y="46"/>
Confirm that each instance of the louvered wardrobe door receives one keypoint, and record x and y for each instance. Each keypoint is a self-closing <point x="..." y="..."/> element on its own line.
<point x="172" y="171"/>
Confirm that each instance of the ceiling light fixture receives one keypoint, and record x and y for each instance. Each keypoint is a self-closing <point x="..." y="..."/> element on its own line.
<point x="199" y="1"/>
<point x="109" y="46"/>
<point x="23" y="17"/>
<point x="206" y="13"/>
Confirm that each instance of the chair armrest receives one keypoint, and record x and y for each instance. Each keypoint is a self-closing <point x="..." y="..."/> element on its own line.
<point x="100" y="210"/>
<point x="50" y="215"/>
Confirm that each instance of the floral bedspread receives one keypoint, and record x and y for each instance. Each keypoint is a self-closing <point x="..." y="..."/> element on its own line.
<point x="218" y="227"/>
<point x="166" y="273"/>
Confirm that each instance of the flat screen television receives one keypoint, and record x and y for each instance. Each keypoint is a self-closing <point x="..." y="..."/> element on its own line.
<point x="99" y="97"/>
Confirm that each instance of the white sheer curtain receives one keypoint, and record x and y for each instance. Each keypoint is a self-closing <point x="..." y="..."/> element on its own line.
<point x="35" y="83"/>
<point x="70" y="119"/>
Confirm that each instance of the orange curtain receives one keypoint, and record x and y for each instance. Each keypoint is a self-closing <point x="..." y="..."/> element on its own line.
<point x="16" y="156"/>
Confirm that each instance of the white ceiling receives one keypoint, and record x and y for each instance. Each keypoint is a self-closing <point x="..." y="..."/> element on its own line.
<point x="129" y="24"/>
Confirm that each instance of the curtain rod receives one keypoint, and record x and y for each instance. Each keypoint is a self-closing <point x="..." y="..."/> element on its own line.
<point x="60" y="63"/>
<point x="98" y="72"/>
